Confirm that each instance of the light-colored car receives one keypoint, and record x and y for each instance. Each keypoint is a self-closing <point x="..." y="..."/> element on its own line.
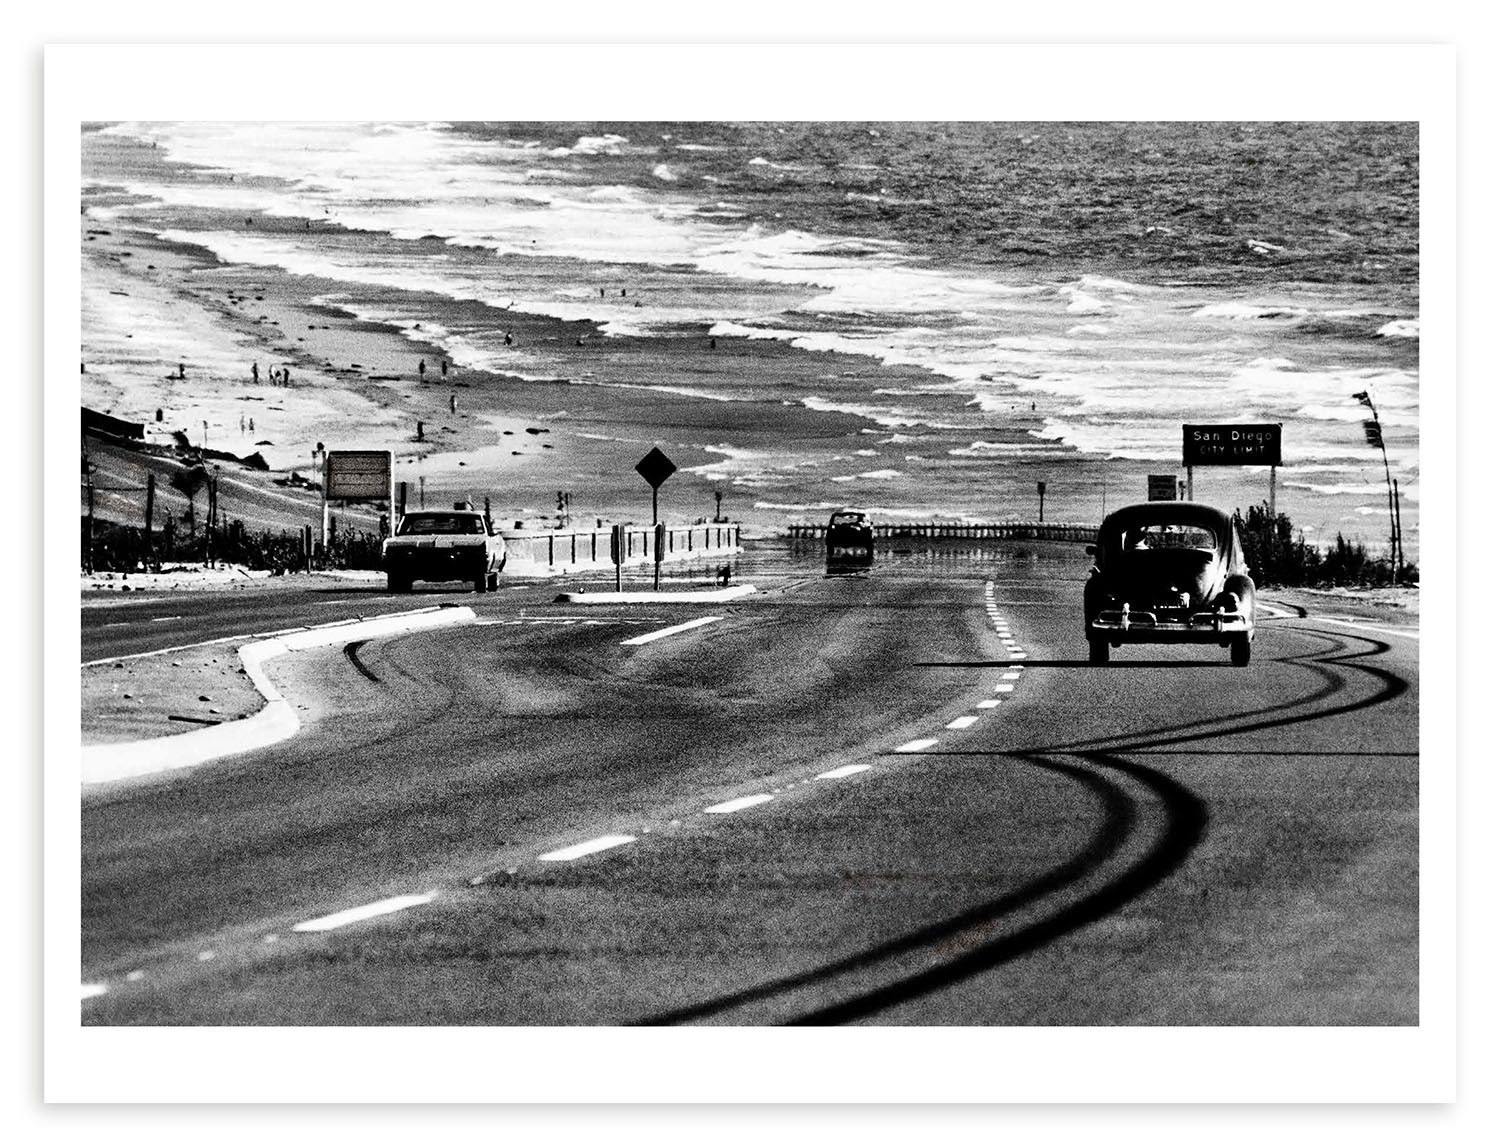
<point x="443" y="545"/>
<point x="1169" y="572"/>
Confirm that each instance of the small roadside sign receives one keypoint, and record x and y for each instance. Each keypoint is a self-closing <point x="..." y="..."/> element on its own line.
<point x="1161" y="487"/>
<point x="656" y="468"/>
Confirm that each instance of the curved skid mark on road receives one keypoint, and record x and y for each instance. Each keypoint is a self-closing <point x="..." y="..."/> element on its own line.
<point x="351" y="651"/>
<point x="1186" y="818"/>
<point x="1336" y="651"/>
<point x="1118" y="822"/>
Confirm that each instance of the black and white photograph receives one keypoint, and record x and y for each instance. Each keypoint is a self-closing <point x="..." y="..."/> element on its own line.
<point x="545" y="576"/>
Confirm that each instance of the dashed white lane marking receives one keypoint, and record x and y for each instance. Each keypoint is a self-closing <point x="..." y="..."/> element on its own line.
<point x="89" y="991"/>
<point x="364" y="912"/>
<point x="961" y="722"/>
<point x="598" y="844"/>
<point x="841" y="771"/>
<point x="1005" y="687"/>
<point x="1013" y="675"/>
<point x="739" y="803"/>
<point x="991" y="704"/>
<point x="916" y="746"/>
<point x="1016" y="656"/>
<point x="670" y="630"/>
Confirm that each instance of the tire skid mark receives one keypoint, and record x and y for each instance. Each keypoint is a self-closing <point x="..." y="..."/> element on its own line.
<point x="1118" y="823"/>
<point x="1333" y="684"/>
<point x="1187" y="817"/>
<point x="351" y="651"/>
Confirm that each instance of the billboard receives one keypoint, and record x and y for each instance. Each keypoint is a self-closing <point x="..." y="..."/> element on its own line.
<point x="358" y="474"/>
<point x="1232" y="444"/>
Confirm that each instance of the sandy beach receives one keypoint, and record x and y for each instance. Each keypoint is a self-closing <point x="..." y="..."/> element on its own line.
<point x="828" y="373"/>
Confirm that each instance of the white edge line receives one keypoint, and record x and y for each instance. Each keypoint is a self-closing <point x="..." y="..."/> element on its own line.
<point x="670" y="630"/>
<point x="586" y="848"/>
<point x="89" y="991"/>
<point x="363" y="912"/>
<point x="276" y="721"/>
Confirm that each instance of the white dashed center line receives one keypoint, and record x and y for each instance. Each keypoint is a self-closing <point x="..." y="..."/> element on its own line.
<point x="365" y="912"/>
<point x="841" y="771"/>
<point x="739" y="803"/>
<point x="89" y="991"/>
<point x="962" y="722"/>
<point x="670" y="630"/>
<point x="916" y="746"/>
<point x="1004" y="688"/>
<point x="598" y="844"/>
<point x="987" y="705"/>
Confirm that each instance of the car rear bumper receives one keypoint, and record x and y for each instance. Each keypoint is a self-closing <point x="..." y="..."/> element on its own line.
<point x="1144" y="626"/>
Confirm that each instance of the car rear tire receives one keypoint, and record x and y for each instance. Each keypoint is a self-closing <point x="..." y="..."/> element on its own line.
<point x="482" y="582"/>
<point x="493" y="582"/>
<point x="1239" y="651"/>
<point x="1098" y="652"/>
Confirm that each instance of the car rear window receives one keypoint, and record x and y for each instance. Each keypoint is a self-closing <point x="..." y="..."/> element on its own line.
<point x="1168" y="536"/>
<point x="440" y="524"/>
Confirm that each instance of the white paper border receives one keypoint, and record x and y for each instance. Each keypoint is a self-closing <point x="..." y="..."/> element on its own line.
<point x="621" y="82"/>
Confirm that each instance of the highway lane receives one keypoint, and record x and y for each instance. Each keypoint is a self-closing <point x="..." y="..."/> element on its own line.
<point x="1162" y="840"/>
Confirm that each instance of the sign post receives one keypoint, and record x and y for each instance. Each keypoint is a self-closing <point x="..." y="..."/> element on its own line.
<point x="1041" y="501"/>
<point x="656" y="468"/>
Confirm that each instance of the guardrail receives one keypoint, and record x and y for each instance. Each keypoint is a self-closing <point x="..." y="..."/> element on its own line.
<point x="563" y="550"/>
<point x="962" y="531"/>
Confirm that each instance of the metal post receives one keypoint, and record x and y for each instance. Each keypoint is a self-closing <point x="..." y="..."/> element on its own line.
<point x="1273" y="497"/>
<point x="1190" y="484"/>
<point x="1396" y="502"/>
<point x="88" y="564"/>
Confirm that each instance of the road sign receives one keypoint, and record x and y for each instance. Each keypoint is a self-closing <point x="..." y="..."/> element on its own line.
<point x="357" y="474"/>
<point x="1372" y="433"/>
<point x="656" y="468"/>
<point x="1232" y="444"/>
<point x="1161" y="487"/>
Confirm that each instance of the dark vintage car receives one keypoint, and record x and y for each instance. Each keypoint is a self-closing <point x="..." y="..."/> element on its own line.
<point x="1168" y="572"/>
<point x="850" y="539"/>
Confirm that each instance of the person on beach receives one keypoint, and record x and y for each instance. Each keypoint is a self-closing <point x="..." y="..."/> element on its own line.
<point x="507" y="338"/>
<point x="286" y="376"/>
<point x="453" y="404"/>
<point x="422" y="368"/>
<point x="255" y="373"/>
<point x="182" y="370"/>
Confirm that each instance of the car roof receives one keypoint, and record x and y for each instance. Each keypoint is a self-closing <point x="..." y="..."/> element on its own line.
<point x="1161" y="513"/>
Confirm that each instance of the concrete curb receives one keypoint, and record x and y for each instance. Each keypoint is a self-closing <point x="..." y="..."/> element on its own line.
<point x="609" y="597"/>
<point x="277" y="721"/>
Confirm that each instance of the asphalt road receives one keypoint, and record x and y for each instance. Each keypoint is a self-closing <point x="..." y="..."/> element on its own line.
<point x="896" y="798"/>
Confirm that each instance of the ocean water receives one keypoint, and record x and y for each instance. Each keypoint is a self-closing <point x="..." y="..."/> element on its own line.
<point x="1029" y="302"/>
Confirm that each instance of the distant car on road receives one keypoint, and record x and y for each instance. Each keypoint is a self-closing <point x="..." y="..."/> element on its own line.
<point x="1168" y="572"/>
<point x="850" y="539"/>
<point x="443" y="545"/>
